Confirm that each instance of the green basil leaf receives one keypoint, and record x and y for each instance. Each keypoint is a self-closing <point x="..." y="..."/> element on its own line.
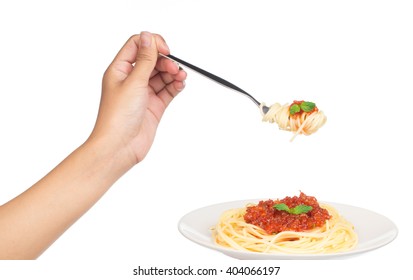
<point x="301" y="209"/>
<point x="282" y="207"/>
<point x="307" y="106"/>
<point x="295" y="108"/>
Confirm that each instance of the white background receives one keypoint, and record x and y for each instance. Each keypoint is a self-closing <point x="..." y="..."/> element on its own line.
<point x="353" y="58"/>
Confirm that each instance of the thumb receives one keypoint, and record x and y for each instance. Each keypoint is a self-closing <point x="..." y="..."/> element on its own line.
<point x="146" y="58"/>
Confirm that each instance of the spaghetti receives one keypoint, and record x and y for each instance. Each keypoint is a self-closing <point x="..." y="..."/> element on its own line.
<point x="236" y="230"/>
<point x="300" y="122"/>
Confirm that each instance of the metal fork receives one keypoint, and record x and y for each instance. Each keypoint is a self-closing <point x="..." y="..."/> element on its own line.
<point x="217" y="79"/>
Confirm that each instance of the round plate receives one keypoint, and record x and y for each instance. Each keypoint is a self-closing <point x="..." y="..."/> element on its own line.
<point x="373" y="230"/>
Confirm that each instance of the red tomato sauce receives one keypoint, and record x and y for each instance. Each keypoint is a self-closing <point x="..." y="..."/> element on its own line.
<point x="265" y="216"/>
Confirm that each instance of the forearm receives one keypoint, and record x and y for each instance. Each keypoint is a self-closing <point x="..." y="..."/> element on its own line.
<point x="32" y="221"/>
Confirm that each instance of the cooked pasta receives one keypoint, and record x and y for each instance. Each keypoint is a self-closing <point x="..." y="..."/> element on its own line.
<point x="301" y="122"/>
<point x="335" y="235"/>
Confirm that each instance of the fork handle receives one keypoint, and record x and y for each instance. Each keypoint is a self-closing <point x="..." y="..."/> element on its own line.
<point x="211" y="76"/>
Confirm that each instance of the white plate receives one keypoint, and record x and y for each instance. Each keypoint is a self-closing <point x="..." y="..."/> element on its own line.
<point x="374" y="231"/>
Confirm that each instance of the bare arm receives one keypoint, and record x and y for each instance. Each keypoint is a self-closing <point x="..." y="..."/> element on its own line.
<point x="137" y="88"/>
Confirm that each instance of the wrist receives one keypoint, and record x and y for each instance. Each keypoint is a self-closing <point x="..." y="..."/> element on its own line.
<point x="117" y="157"/>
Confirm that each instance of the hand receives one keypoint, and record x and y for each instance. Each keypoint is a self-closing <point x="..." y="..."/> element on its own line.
<point x="137" y="87"/>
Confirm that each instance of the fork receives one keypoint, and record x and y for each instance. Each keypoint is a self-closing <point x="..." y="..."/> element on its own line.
<point x="217" y="79"/>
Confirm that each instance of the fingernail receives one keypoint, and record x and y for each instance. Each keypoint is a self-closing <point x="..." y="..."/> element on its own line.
<point x="182" y="86"/>
<point x="145" y="39"/>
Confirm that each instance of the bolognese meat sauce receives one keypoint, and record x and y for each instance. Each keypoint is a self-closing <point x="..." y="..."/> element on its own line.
<point x="265" y="216"/>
